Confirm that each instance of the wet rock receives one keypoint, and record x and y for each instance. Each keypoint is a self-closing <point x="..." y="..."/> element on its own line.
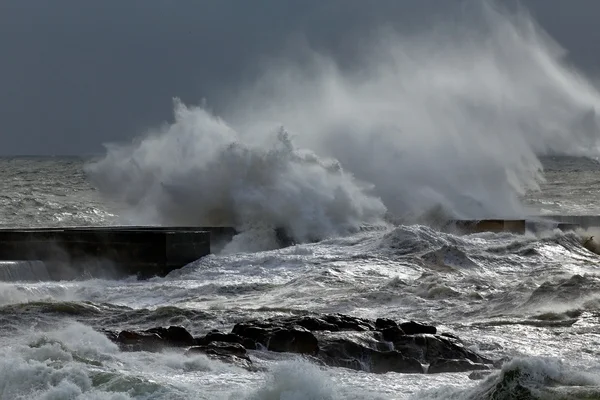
<point x="414" y="328"/>
<point x="359" y="353"/>
<point x="251" y="332"/>
<point x="326" y="322"/>
<point x="217" y="336"/>
<point x="111" y="335"/>
<point x="384" y="323"/>
<point x="219" y="348"/>
<point x="335" y="340"/>
<point x="174" y="335"/>
<point x="429" y="349"/>
<point x="316" y="324"/>
<point x="278" y="337"/>
<point x="139" y="341"/>
<point x="348" y="323"/>
<point x="294" y="340"/>
<point x="233" y="353"/>
<point x="154" y="339"/>
<point x="379" y="346"/>
<point x="478" y="375"/>
<point x="392" y="333"/>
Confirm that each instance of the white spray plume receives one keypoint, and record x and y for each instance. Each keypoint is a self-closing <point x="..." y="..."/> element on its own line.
<point x="452" y="116"/>
<point x="200" y="171"/>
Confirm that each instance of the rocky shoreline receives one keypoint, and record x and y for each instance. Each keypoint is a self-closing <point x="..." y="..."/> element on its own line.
<point x="335" y="340"/>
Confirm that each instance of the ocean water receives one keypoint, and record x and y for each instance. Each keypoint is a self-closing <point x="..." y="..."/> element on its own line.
<point x="485" y="288"/>
<point x="481" y="117"/>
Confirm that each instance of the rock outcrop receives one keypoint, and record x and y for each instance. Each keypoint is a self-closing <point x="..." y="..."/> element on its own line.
<point x="336" y="340"/>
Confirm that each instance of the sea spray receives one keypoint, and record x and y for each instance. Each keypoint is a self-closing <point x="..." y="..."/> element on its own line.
<point x="200" y="171"/>
<point x="452" y="117"/>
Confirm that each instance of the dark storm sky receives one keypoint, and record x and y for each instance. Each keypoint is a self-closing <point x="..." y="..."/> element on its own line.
<point x="77" y="73"/>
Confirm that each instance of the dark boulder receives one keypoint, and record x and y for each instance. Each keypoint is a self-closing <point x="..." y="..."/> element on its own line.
<point x="384" y="323"/>
<point x="348" y="323"/>
<point x="233" y="353"/>
<point x="155" y="339"/>
<point x="217" y="336"/>
<point x="430" y="349"/>
<point x="219" y="348"/>
<point x="174" y="335"/>
<point x="326" y="322"/>
<point x="278" y="337"/>
<point x="359" y="353"/>
<point x="357" y="343"/>
<point x="392" y="333"/>
<point x="414" y="328"/>
<point x="293" y="340"/>
<point x="315" y="324"/>
<point x="139" y="341"/>
<point x="253" y="331"/>
<point x="477" y="375"/>
<point x="338" y="340"/>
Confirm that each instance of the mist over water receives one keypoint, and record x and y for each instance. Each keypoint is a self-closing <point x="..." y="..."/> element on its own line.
<point x="452" y="116"/>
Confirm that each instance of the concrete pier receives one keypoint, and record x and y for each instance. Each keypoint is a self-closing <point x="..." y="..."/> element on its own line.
<point x="108" y="252"/>
<point x="529" y="224"/>
<point x="147" y="251"/>
<point x="488" y="225"/>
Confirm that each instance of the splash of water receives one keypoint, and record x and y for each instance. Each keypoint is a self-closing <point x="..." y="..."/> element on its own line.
<point x="201" y="171"/>
<point x="452" y="117"/>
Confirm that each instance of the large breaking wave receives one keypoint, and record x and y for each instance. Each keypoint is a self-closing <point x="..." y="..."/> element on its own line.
<point x="452" y="116"/>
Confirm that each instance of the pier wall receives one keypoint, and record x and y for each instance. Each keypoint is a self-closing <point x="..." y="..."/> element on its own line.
<point x="147" y="251"/>
<point x="112" y="252"/>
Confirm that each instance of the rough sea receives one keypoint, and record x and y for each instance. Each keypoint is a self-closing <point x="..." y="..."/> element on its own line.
<point x="439" y="123"/>
<point x="484" y="288"/>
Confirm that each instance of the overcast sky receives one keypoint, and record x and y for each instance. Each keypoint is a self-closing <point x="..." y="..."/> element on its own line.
<point x="75" y="74"/>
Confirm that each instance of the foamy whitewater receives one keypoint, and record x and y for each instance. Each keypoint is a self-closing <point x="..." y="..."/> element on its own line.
<point x="477" y="117"/>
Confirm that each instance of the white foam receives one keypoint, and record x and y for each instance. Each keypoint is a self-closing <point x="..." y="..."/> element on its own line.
<point x="76" y="362"/>
<point x="48" y="368"/>
<point x="299" y="380"/>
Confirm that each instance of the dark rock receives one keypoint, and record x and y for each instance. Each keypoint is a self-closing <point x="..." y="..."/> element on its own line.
<point x="414" y="328"/>
<point x="154" y="339"/>
<point x="384" y="323"/>
<point x="442" y="365"/>
<point x="348" y="352"/>
<point x="316" y="324"/>
<point x="344" y="341"/>
<point x="477" y="375"/>
<point x="251" y="330"/>
<point x="219" y="348"/>
<point x="111" y="335"/>
<point x="278" y="337"/>
<point x="174" y="335"/>
<point x="334" y="339"/>
<point x="294" y="340"/>
<point x="429" y="349"/>
<point x="392" y="333"/>
<point x="233" y="353"/>
<point x="347" y="323"/>
<point x="451" y="336"/>
<point x="216" y="336"/>
<point x="139" y="341"/>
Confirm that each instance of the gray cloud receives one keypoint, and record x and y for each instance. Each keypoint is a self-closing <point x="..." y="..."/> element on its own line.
<point x="75" y="74"/>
